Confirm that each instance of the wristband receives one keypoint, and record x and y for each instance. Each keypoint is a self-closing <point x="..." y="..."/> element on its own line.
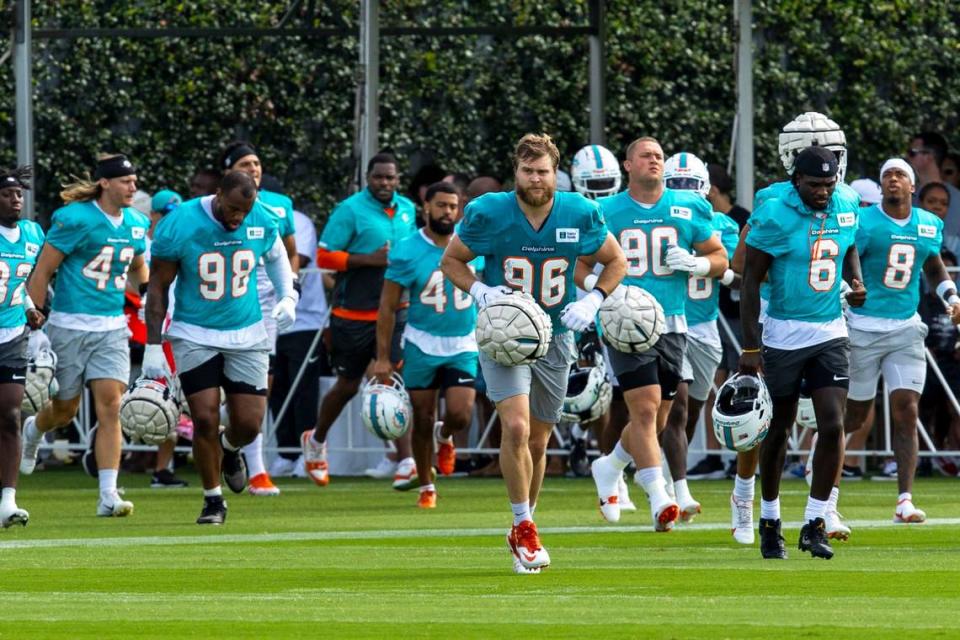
<point x="590" y="282"/>
<point x="602" y="293"/>
<point x="28" y="302"/>
<point x="727" y="278"/>
<point x="702" y="267"/>
<point x="750" y="350"/>
<point x="297" y="286"/>
<point x="945" y="289"/>
<point x="952" y="299"/>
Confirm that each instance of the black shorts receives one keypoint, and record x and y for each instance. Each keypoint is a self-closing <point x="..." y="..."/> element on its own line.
<point x="13" y="360"/>
<point x="731" y="356"/>
<point x="211" y="374"/>
<point x="815" y="367"/>
<point x="662" y="365"/>
<point x="353" y="344"/>
<point x="447" y="378"/>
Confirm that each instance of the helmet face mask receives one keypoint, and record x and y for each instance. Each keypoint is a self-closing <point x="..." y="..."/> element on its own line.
<point x="742" y="412"/>
<point x="589" y="393"/>
<point x="595" y="172"/>
<point x="686" y="172"/>
<point x="385" y="408"/>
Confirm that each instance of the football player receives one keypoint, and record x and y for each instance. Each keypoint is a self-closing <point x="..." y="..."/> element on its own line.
<point x="240" y="155"/>
<point x="685" y="171"/>
<point x="896" y="241"/>
<point x="94" y="243"/>
<point x="810" y="129"/>
<point x="440" y="347"/>
<point x="801" y="241"/>
<point x="658" y="229"/>
<point x="212" y="246"/>
<point x="20" y="242"/>
<point x="531" y="239"/>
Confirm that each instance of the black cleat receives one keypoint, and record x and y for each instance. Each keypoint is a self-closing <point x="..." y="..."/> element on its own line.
<point x="813" y="538"/>
<point x="214" y="511"/>
<point x="165" y="479"/>
<point x="233" y="468"/>
<point x="771" y="542"/>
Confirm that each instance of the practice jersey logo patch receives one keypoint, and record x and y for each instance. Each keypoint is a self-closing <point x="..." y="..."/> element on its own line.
<point x="254" y="233"/>
<point x="137" y="233"/>
<point x="681" y="212"/>
<point x="846" y="219"/>
<point x="280" y="212"/>
<point x="31" y="248"/>
<point x="926" y="231"/>
<point x="568" y="235"/>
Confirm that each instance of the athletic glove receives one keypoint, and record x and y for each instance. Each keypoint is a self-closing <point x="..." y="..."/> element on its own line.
<point x="285" y="313"/>
<point x="154" y="362"/>
<point x="484" y="295"/>
<point x="679" y="259"/>
<point x="579" y="315"/>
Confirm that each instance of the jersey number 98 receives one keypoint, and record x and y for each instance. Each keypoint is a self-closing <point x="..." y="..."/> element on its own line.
<point x="213" y="273"/>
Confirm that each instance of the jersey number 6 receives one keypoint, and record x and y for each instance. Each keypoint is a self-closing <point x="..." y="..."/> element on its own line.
<point x="823" y="265"/>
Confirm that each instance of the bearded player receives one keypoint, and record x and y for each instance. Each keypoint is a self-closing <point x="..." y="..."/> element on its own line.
<point x="531" y="240"/>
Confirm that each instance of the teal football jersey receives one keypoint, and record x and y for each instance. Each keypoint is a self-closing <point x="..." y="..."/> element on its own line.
<point x="703" y="293"/>
<point x="808" y="249"/>
<point x="540" y="262"/>
<point x="281" y="206"/>
<point x="436" y="306"/>
<point x="892" y="258"/>
<point x="16" y="263"/>
<point x="681" y="218"/>
<point x="93" y="275"/>
<point x="213" y="288"/>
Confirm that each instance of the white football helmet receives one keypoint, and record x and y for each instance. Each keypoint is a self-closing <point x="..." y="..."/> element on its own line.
<point x="806" y="418"/>
<point x="589" y="394"/>
<point x="385" y="408"/>
<point x="686" y="172"/>
<point x="150" y="410"/>
<point x="514" y="329"/>
<point x="812" y="129"/>
<point x="595" y="172"/>
<point x="742" y="412"/>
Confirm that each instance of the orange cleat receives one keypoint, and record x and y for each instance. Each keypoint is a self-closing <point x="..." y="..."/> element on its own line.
<point x="315" y="459"/>
<point x="262" y="485"/>
<point x="524" y="543"/>
<point x="427" y="500"/>
<point x="446" y="451"/>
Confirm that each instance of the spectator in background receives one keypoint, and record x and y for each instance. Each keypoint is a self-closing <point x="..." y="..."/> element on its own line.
<point x="425" y="176"/>
<point x="481" y="185"/>
<point x="935" y="198"/>
<point x="869" y="191"/>
<point x="460" y="182"/>
<point x="950" y="169"/>
<point x="721" y="195"/>
<point x="204" y="182"/>
<point x="292" y="350"/>
<point x="926" y="154"/>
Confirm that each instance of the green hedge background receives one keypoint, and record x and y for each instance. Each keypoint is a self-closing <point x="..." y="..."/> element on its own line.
<point x="883" y="70"/>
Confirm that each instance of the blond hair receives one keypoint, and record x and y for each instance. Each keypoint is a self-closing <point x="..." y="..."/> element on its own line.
<point x="633" y="144"/>
<point x="533" y="146"/>
<point x="84" y="189"/>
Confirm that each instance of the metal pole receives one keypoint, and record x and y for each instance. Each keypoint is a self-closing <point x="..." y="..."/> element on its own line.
<point x="370" y="63"/>
<point x="744" y="24"/>
<point x="24" y="94"/>
<point x="597" y="80"/>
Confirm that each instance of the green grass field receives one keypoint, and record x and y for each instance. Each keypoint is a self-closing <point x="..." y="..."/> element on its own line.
<point x="357" y="559"/>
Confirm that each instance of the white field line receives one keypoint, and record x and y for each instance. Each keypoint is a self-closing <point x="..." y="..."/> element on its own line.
<point x="320" y="536"/>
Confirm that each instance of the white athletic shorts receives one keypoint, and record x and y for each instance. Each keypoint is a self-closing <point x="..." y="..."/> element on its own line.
<point x="899" y="356"/>
<point x="700" y="362"/>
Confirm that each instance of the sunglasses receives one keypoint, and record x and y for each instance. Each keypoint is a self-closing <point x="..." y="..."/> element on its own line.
<point x="913" y="153"/>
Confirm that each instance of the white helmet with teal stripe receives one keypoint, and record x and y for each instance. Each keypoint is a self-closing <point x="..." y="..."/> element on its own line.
<point x="595" y="172"/>
<point x="385" y="408"/>
<point x="686" y="172"/>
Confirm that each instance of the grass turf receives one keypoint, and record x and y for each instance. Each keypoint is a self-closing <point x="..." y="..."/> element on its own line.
<point x="356" y="559"/>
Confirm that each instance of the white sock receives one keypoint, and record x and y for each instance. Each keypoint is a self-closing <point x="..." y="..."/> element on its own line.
<point x="108" y="481"/>
<point x="427" y="487"/>
<point x="652" y="480"/>
<point x="210" y="493"/>
<point x="903" y="496"/>
<point x="253" y="453"/>
<point x="9" y="496"/>
<point x="770" y="510"/>
<point x="620" y="457"/>
<point x="226" y="443"/>
<point x="521" y="512"/>
<point x="815" y="509"/>
<point x="743" y="488"/>
<point x="832" y="500"/>
<point x="682" y="492"/>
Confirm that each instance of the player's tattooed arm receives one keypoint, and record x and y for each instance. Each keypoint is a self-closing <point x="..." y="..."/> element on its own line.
<point x="48" y="262"/>
<point x="756" y="265"/>
<point x="390" y="297"/>
<point x="939" y="279"/>
<point x="164" y="272"/>
<point x="853" y="275"/>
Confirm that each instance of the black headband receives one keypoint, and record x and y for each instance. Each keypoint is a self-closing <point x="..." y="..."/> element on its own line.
<point x="9" y="181"/>
<point x="236" y="153"/>
<point x="115" y="167"/>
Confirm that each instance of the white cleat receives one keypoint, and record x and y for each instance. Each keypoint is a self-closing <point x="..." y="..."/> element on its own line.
<point x="11" y="515"/>
<point x="689" y="510"/>
<point x="32" y="438"/>
<point x="906" y="513"/>
<point x="623" y="496"/>
<point x="116" y="507"/>
<point x="607" y="478"/>
<point x="518" y="567"/>
<point x="741" y="523"/>
<point x="836" y="530"/>
<point x="665" y="515"/>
